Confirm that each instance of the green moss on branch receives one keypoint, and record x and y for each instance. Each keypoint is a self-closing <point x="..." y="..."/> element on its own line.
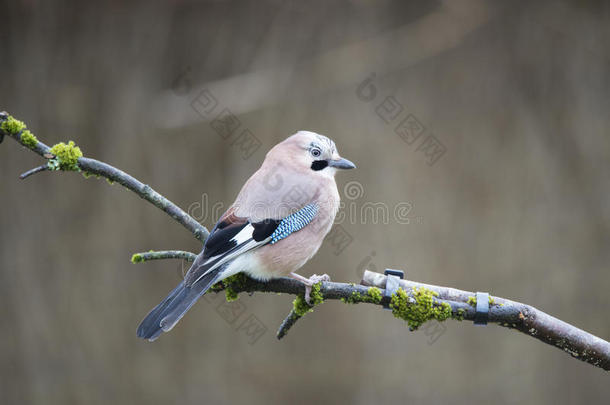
<point x="419" y="308"/>
<point x="232" y="286"/>
<point x="162" y="254"/>
<point x="137" y="258"/>
<point x="28" y="139"/>
<point x="472" y="301"/>
<point x="66" y="156"/>
<point x="301" y="307"/>
<point x="373" y="296"/>
<point x="459" y="315"/>
<point x="12" y="126"/>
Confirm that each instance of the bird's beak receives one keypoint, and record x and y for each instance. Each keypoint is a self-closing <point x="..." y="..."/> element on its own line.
<point x="341" y="164"/>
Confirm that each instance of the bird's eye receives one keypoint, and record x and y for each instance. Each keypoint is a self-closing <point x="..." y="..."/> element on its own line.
<point x="315" y="152"/>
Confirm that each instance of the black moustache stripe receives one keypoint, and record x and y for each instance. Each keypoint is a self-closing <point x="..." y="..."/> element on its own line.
<point x="319" y="164"/>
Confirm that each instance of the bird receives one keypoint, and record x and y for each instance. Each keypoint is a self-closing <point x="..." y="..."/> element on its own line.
<point x="276" y="224"/>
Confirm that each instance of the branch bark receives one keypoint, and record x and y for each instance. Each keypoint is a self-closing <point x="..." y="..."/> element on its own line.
<point x="524" y="318"/>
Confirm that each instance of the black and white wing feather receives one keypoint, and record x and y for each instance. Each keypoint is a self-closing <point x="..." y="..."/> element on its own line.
<point x="231" y="237"/>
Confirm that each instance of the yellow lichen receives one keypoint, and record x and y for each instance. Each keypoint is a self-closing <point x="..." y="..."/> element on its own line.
<point x="373" y="295"/>
<point x="232" y="285"/>
<point x="66" y="156"/>
<point x="12" y="126"/>
<point x="472" y="301"/>
<point x="28" y="139"/>
<point x="419" y="308"/>
<point x="459" y="316"/>
<point x="301" y="307"/>
<point x="137" y="258"/>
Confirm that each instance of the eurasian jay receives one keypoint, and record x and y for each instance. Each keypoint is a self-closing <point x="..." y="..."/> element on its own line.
<point x="277" y="223"/>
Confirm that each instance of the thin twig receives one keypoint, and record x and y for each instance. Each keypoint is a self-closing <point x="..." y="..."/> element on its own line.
<point x="111" y="173"/>
<point x="287" y="323"/>
<point x="163" y="254"/>
<point x="34" y="171"/>
<point x="146" y="192"/>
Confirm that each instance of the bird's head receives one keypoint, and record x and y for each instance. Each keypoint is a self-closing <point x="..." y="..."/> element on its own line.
<point x="312" y="152"/>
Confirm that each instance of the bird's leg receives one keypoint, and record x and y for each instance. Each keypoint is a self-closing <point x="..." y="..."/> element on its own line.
<point x="309" y="282"/>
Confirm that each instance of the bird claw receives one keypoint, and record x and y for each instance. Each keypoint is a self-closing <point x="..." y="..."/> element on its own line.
<point x="314" y="280"/>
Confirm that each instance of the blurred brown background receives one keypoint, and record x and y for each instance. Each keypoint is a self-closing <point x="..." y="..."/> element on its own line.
<point x="516" y="94"/>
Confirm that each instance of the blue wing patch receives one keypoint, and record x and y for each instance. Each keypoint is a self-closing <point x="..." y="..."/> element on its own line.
<point x="294" y="222"/>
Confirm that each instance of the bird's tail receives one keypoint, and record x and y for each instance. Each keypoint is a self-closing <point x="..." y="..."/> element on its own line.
<point x="166" y="315"/>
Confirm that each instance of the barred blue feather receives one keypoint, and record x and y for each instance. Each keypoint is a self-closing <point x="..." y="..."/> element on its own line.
<point x="294" y="222"/>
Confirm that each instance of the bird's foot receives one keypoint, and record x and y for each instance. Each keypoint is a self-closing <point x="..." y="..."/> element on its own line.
<point x="315" y="279"/>
<point x="309" y="282"/>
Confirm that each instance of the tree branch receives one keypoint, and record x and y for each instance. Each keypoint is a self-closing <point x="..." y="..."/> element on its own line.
<point x="414" y="302"/>
<point x="510" y="314"/>
<point x="287" y="323"/>
<point x="163" y="254"/>
<point x="524" y="318"/>
<point x="35" y="170"/>
<point x="95" y="167"/>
